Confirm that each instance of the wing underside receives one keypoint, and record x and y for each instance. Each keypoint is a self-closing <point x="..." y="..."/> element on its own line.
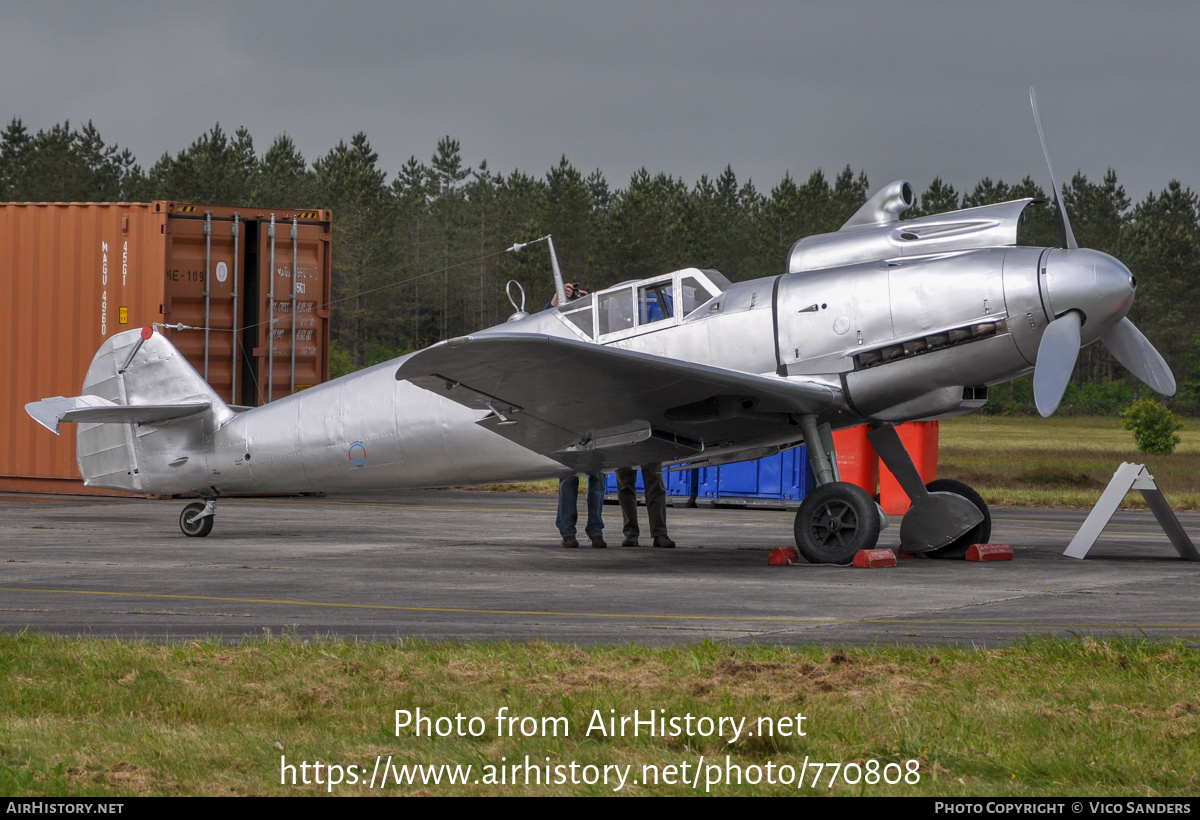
<point x="596" y="408"/>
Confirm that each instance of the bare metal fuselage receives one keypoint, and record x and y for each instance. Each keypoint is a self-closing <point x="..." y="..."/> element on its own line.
<point x="365" y="430"/>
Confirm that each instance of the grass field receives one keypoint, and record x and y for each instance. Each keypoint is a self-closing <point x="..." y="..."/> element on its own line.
<point x="89" y="717"/>
<point x="1059" y="461"/>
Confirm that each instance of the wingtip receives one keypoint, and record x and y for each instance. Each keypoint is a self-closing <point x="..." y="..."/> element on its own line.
<point x="43" y="413"/>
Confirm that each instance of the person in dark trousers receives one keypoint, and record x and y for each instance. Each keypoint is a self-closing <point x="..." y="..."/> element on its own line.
<point x="568" y="488"/>
<point x="656" y="504"/>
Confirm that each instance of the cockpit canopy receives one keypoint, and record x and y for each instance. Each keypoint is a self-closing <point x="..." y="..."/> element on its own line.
<point x="642" y="305"/>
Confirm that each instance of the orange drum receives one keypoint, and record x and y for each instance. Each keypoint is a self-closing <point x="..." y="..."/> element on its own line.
<point x="857" y="461"/>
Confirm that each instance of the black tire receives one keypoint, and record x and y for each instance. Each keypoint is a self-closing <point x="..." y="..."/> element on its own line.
<point x="979" y="534"/>
<point x="835" y="522"/>
<point x="199" y="527"/>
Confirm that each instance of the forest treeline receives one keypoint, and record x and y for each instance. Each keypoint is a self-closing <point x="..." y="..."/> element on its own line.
<point x="418" y="255"/>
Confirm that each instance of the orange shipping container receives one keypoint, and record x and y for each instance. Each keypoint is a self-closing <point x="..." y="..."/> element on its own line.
<point x="217" y="280"/>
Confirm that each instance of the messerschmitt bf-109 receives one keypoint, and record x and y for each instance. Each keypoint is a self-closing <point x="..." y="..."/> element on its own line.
<point x="881" y="322"/>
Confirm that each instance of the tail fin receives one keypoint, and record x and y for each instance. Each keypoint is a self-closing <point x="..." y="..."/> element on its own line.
<point x="143" y="405"/>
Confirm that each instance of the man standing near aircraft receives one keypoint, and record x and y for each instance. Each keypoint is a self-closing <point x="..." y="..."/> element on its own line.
<point x="568" y="488"/>
<point x="656" y="504"/>
<point x="568" y="512"/>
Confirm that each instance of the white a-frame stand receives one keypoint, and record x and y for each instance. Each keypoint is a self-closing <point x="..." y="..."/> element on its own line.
<point x="1131" y="477"/>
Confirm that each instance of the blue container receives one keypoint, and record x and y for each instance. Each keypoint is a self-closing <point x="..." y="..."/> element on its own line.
<point x="681" y="486"/>
<point x="781" y="480"/>
<point x="610" y="485"/>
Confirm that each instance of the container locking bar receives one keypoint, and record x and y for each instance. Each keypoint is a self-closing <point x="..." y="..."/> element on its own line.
<point x="235" y="229"/>
<point x="295" y="273"/>
<point x="207" y="284"/>
<point x="271" y="326"/>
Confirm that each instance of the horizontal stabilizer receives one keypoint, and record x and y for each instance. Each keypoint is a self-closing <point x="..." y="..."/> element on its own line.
<point x="53" y="411"/>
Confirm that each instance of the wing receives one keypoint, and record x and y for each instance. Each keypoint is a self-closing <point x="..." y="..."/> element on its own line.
<point x="596" y="408"/>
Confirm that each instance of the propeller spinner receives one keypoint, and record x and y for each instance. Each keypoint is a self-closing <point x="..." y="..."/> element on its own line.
<point x="1088" y="292"/>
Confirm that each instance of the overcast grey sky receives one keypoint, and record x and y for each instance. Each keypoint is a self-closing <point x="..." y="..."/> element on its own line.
<point x="902" y="89"/>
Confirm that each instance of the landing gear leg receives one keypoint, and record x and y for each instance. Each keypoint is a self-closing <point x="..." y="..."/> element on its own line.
<point x="837" y="519"/>
<point x="196" y="520"/>
<point x="940" y="516"/>
<point x="818" y="441"/>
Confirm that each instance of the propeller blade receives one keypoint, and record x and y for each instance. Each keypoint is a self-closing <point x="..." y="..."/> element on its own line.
<point x="1056" y="357"/>
<point x="1135" y="353"/>
<point x="1064" y="224"/>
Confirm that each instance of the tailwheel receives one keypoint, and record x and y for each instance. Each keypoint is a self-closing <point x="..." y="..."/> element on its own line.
<point x="194" y="521"/>
<point x="835" y="521"/>
<point x="979" y="534"/>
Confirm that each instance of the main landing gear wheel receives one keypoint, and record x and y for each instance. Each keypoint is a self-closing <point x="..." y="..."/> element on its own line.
<point x="192" y="526"/>
<point x="835" y="521"/>
<point x="979" y="534"/>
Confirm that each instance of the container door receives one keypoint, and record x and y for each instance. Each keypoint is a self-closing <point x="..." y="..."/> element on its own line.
<point x="202" y="267"/>
<point x="293" y="297"/>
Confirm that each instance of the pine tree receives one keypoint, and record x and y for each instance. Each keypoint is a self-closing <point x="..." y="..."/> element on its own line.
<point x="939" y="197"/>
<point x="349" y="181"/>
<point x="284" y="180"/>
<point x="448" y="174"/>
<point x="213" y="169"/>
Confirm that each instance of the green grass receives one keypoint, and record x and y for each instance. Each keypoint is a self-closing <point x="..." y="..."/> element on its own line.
<point x="1047" y="717"/>
<point x="1059" y="461"/>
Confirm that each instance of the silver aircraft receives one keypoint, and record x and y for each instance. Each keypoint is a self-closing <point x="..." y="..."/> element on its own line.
<point x="881" y="322"/>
